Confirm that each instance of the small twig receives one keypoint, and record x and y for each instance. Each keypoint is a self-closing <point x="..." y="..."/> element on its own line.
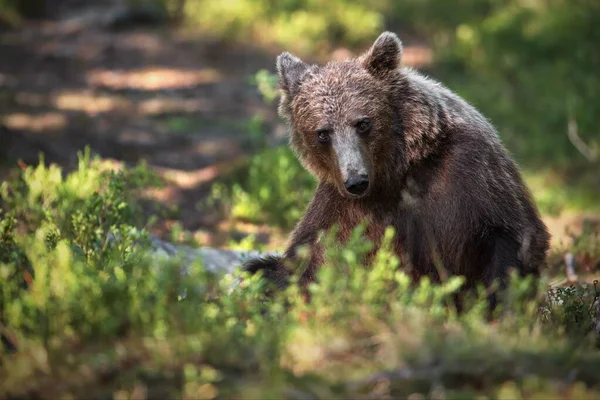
<point x="570" y="267"/>
<point x="572" y="132"/>
<point x="8" y="338"/>
<point x="400" y="374"/>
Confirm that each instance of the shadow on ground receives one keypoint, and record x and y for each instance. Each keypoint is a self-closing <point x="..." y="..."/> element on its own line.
<point x="180" y="102"/>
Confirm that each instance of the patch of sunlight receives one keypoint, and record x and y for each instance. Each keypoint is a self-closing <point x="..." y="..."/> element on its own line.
<point x="35" y="122"/>
<point x="194" y="178"/>
<point x="189" y="179"/>
<point x="153" y="78"/>
<point x="138" y="137"/>
<point x="563" y="228"/>
<point x="88" y="102"/>
<point x="417" y="56"/>
<point x="150" y="44"/>
<point x="164" y="106"/>
<point x="563" y="205"/>
<point x="412" y="56"/>
<point x="218" y="145"/>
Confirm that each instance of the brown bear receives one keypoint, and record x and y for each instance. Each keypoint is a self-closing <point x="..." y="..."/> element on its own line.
<point x="391" y="147"/>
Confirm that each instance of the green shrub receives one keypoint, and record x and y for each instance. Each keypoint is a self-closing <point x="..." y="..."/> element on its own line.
<point x="85" y="205"/>
<point x="579" y="306"/>
<point x="103" y="319"/>
<point x="55" y="235"/>
<point x="275" y="190"/>
<point x="304" y="26"/>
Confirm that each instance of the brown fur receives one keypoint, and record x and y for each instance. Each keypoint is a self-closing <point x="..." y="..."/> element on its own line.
<point x="437" y="170"/>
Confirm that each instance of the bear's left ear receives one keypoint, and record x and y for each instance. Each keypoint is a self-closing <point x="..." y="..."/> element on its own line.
<point x="384" y="55"/>
<point x="290" y="69"/>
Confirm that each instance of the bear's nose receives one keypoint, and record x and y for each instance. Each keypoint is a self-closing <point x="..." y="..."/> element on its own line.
<point x="357" y="184"/>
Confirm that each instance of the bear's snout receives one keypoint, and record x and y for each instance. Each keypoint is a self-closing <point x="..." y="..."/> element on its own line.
<point x="357" y="184"/>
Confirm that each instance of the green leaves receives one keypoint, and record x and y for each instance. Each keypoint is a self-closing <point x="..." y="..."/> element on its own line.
<point x="275" y="190"/>
<point x="86" y="303"/>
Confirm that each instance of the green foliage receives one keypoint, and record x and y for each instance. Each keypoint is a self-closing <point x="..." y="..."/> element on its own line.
<point x="85" y="205"/>
<point x="266" y="82"/>
<point x="580" y="305"/>
<point x="275" y="190"/>
<point x="555" y="193"/>
<point x="102" y="319"/>
<point x="95" y="316"/>
<point x="55" y="237"/>
<point x="303" y="25"/>
<point x="588" y="241"/>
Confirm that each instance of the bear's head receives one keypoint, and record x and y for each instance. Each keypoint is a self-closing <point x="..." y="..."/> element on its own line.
<point x="341" y="114"/>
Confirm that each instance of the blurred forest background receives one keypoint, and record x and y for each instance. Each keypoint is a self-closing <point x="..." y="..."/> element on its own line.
<point x="187" y="85"/>
<point x="185" y="89"/>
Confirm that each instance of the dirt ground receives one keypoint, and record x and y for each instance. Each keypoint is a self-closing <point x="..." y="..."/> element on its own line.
<point x="181" y="101"/>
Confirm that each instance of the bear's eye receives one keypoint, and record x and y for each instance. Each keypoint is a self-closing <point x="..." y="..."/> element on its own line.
<point x="323" y="135"/>
<point x="363" y="126"/>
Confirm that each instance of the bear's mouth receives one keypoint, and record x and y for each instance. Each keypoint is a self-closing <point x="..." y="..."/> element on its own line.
<point x="351" y="196"/>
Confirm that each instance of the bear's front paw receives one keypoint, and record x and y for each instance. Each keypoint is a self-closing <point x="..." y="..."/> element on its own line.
<point x="271" y="267"/>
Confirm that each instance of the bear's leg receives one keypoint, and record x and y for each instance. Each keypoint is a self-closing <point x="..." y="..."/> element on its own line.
<point x="277" y="268"/>
<point x="271" y="267"/>
<point x="504" y="258"/>
<point x="318" y="217"/>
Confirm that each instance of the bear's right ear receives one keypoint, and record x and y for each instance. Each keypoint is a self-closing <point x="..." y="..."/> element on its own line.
<point x="290" y="69"/>
<point x="384" y="55"/>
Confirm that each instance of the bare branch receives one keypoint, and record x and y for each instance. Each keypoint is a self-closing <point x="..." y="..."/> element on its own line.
<point x="572" y="132"/>
<point x="570" y="267"/>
